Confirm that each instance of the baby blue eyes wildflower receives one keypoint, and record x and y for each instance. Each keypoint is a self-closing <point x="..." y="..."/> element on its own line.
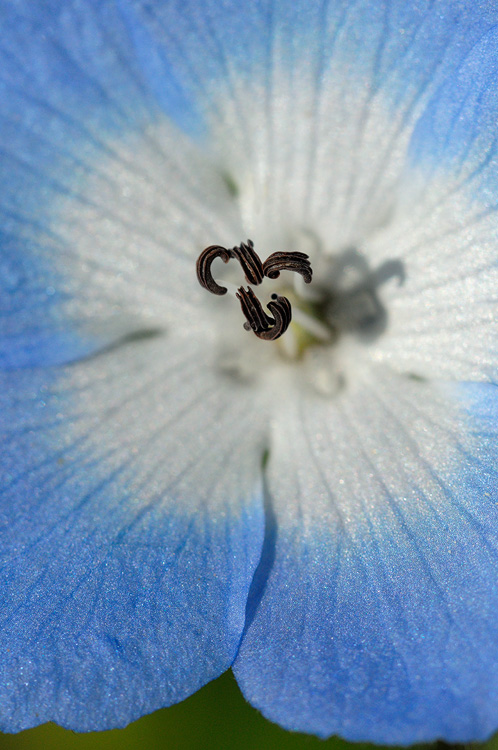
<point x="318" y="511"/>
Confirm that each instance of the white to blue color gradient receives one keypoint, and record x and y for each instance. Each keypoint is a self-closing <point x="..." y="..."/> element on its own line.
<point x="178" y="497"/>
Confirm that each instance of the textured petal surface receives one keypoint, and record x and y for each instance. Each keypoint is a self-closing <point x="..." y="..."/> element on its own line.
<point x="131" y="524"/>
<point x="127" y="542"/>
<point x="134" y="134"/>
<point x="310" y="122"/>
<point x="444" y="231"/>
<point x="93" y="206"/>
<point x="381" y="143"/>
<point x="378" y="619"/>
<point x="314" y="115"/>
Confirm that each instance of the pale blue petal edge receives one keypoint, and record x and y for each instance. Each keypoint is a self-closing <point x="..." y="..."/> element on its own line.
<point x="116" y="598"/>
<point x="455" y="137"/>
<point x="75" y="75"/>
<point x="71" y="83"/>
<point x="391" y="642"/>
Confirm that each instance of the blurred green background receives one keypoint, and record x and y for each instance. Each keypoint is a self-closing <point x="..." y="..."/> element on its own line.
<point x="217" y="717"/>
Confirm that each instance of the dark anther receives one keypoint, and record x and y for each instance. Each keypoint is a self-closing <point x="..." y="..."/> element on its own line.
<point x="244" y="253"/>
<point x="257" y="319"/>
<point x="204" y="267"/>
<point x="263" y="325"/>
<point x="250" y="262"/>
<point x="298" y="262"/>
<point x="280" y="307"/>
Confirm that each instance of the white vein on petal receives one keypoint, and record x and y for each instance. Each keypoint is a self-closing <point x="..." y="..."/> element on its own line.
<point x="442" y="320"/>
<point x="145" y="444"/>
<point x="385" y="456"/>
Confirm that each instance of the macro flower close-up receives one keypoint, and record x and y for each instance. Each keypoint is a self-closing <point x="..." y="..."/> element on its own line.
<point x="295" y="478"/>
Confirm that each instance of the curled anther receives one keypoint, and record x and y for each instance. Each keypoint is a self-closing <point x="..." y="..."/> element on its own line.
<point x="256" y="318"/>
<point x="204" y="267"/>
<point x="281" y="310"/>
<point x="246" y="255"/>
<point x="264" y="326"/>
<point x="291" y="261"/>
<point x="250" y="261"/>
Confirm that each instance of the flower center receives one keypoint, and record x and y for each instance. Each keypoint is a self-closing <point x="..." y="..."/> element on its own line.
<point x="308" y="320"/>
<point x="308" y="327"/>
<point x="264" y="326"/>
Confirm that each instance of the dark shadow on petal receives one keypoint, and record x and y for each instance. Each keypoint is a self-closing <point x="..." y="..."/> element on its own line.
<point x="354" y="304"/>
<point x="133" y="337"/>
<point x="267" y="559"/>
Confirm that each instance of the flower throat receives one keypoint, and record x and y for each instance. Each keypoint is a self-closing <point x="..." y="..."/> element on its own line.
<point x="257" y="320"/>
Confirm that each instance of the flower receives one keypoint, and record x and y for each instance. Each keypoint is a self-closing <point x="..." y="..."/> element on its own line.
<point x="178" y="496"/>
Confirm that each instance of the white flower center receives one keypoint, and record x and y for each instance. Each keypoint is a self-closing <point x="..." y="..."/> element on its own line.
<point x="146" y="213"/>
<point x="343" y="301"/>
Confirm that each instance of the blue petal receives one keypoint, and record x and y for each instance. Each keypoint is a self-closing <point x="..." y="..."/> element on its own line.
<point x="456" y="135"/>
<point x="70" y="86"/>
<point x="378" y="618"/>
<point x="407" y="49"/>
<point x="444" y="321"/>
<point x="131" y="525"/>
<point x="33" y="328"/>
<point x="75" y="76"/>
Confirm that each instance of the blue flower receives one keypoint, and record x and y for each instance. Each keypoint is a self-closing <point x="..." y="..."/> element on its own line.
<point x="178" y="496"/>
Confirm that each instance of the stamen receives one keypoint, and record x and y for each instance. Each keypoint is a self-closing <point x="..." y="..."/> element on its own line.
<point x="246" y="255"/>
<point x="257" y="319"/>
<point x="282" y="312"/>
<point x="263" y="325"/>
<point x="292" y="261"/>
<point x="312" y="325"/>
<point x="204" y="268"/>
<point x="250" y="262"/>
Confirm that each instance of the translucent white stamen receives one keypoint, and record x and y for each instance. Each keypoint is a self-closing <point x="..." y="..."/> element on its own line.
<point x="289" y="343"/>
<point x="311" y="325"/>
